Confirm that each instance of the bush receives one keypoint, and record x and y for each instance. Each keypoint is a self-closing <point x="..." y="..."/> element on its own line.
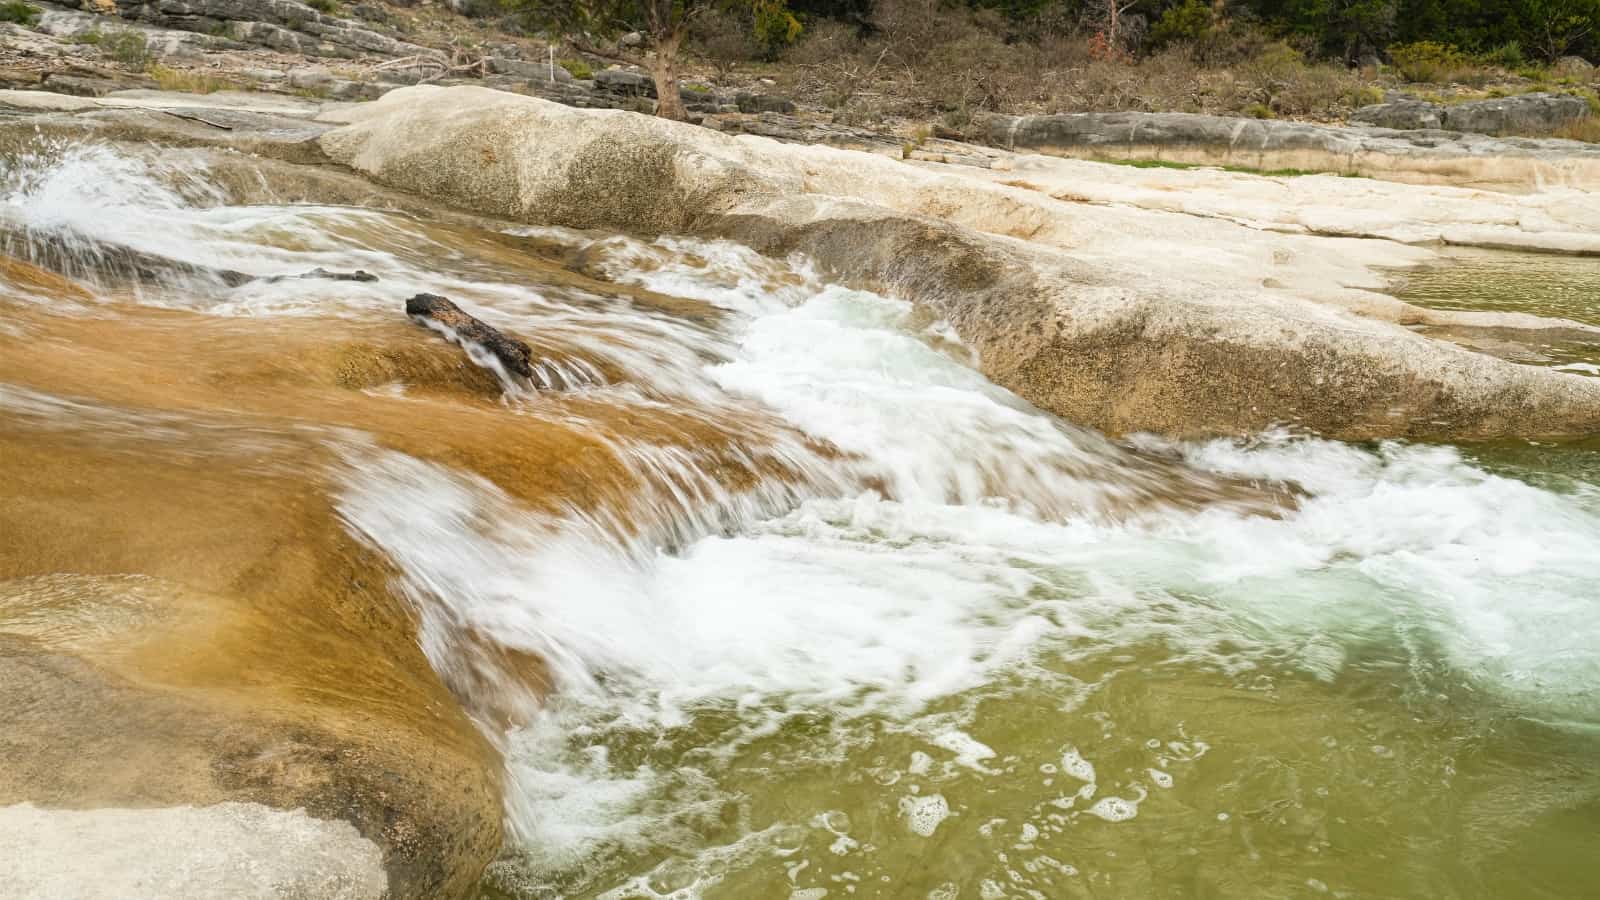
<point x="1260" y="111"/>
<point x="328" y="7"/>
<point x="1506" y="56"/>
<point x="1187" y="22"/>
<point x="20" y="13"/>
<point x="1428" y="62"/>
<point x="126" y="46"/>
<point x="577" y="68"/>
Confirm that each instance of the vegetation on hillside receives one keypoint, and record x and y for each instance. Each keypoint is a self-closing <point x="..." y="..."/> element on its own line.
<point x="954" y="59"/>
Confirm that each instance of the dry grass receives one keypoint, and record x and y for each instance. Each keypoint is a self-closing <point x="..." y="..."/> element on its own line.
<point x="1581" y="130"/>
<point x="924" y="62"/>
<point x="184" y="80"/>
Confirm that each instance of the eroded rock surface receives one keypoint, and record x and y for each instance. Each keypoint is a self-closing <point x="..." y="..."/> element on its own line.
<point x="1418" y="157"/>
<point x="1099" y="338"/>
<point x="230" y="851"/>
<point x="1536" y="113"/>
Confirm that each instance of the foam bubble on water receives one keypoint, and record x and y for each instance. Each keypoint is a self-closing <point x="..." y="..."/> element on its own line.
<point x="1117" y="809"/>
<point x="923" y="814"/>
<point x="921" y="763"/>
<point x="1073" y="763"/>
<point x="1160" y="778"/>
<point x="969" y="751"/>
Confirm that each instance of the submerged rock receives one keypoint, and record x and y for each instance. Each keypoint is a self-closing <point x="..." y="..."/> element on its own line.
<point x="1108" y="344"/>
<point x="442" y="315"/>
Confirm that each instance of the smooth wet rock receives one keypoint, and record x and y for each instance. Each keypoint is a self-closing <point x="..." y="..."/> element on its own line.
<point x="457" y="325"/>
<point x="1107" y="340"/>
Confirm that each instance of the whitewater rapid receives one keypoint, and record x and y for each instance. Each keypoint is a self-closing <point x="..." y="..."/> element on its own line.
<point x="937" y="542"/>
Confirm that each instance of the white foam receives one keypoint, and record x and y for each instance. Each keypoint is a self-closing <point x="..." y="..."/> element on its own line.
<point x="1116" y="809"/>
<point x="924" y="814"/>
<point x="969" y="751"/>
<point x="1073" y="763"/>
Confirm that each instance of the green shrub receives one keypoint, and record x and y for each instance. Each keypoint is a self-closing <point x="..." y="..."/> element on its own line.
<point x="87" y="37"/>
<point x="1506" y="56"/>
<point x="127" y="46"/>
<point x="1185" y="23"/>
<point x="1260" y="111"/>
<point x="1366" y="95"/>
<point x="324" y="6"/>
<point x="1428" y="62"/>
<point x="20" y="13"/>
<point x="577" y="68"/>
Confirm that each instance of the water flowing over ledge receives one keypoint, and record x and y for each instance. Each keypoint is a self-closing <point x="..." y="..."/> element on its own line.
<point x="1059" y="308"/>
<point x="779" y="595"/>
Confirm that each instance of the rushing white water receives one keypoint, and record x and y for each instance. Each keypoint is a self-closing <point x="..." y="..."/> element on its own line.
<point x="952" y="544"/>
<point x="865" y="604"/>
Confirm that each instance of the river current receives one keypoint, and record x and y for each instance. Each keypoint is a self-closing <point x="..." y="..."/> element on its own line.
<point x="817" y="611"/>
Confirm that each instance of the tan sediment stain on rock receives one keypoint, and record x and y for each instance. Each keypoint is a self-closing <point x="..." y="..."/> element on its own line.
<point x="185" y="620"/>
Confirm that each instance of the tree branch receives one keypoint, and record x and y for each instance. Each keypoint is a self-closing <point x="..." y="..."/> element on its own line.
<point x="583" y="46"/>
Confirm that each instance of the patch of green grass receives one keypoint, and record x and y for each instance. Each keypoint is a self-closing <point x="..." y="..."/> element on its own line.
<point x="696" y="88"/>
<point x="190" y="82"/>
<point x="126" y="46"/>
<point x="20" y="13"/>
<point x="92" y="38"/>
<point x="324" y="6"/>
<point x="1260" y="111"/>
<point x="577" y="68"/>
<point x="1243" y="170"/>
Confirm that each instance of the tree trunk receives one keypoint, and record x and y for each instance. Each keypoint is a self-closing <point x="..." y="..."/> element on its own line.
<point x="664" y="69"/>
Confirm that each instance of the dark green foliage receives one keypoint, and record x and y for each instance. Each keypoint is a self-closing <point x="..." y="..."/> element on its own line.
<point x="1187" y="22"/>
<point x="19" y="13"/>
<point x="1491" y="32"/>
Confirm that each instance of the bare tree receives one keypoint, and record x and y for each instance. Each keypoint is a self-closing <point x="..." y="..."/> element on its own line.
<point x="660" y="26"/>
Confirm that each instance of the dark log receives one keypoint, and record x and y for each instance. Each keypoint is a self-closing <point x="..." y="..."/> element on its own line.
<point x="514" y="354"/>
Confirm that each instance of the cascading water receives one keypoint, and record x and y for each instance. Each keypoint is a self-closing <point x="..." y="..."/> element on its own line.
<point x="862" y="623"/>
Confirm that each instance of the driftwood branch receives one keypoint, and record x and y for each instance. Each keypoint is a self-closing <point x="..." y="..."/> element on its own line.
<point x="443" y="316"/>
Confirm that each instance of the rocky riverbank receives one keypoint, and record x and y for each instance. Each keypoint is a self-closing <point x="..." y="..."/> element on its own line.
<point x="1050" y="292"/>
<point x="1178" y="302"/>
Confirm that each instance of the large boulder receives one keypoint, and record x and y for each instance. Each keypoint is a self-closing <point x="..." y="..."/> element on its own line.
<point x="1403" y="114"/>
<point x="1113" y="344"/>
<point x="1523" y="114"/>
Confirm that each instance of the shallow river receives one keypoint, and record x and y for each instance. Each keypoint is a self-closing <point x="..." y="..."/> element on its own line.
<point x="819" y="612"/>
